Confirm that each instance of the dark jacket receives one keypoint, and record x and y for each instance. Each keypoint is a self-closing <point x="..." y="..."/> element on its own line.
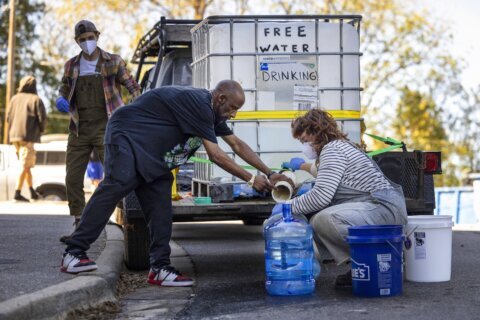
<point x="26" y="117"/>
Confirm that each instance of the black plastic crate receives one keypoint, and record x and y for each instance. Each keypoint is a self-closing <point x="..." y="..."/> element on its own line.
<point x="407" y="170"/>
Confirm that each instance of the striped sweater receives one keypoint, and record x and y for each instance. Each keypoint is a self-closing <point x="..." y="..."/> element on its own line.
<point x="340" y="163"/>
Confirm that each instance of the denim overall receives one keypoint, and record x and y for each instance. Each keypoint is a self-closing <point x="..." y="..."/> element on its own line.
<point x="352" y="207"/>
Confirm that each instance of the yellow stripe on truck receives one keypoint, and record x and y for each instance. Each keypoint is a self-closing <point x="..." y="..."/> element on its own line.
<point x="292" y="114"/>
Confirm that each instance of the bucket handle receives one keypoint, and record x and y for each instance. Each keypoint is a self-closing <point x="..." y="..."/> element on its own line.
<point x="408" y="235"/>
<point x="407" y="242"/>
<point x="395" y="249"/>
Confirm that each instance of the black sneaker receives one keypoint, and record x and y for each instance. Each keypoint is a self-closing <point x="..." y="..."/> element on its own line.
<point x="33" y="194"/>
<point x="168" y="276"/>
<point x="19" y="197"/>
<point x="344" y="280"/>
<point x="76" y="263"/>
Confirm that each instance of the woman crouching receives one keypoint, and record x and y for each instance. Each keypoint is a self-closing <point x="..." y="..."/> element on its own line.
<point x="349" y="190"/>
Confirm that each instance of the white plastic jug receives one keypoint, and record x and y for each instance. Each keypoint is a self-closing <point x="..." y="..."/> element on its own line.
<point x="428" y="248"/>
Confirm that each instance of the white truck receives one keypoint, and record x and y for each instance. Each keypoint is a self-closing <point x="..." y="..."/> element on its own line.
<point x="286" y="65"/>
<point x="48" y="173"/>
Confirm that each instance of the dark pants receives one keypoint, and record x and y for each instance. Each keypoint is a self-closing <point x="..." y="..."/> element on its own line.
<point x="120" y="179"/>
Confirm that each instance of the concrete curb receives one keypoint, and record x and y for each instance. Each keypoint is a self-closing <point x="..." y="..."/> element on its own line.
<point x="86" y="289"/>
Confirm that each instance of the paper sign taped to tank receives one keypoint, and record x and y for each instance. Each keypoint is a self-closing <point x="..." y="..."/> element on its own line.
<point x="292" y="78"/>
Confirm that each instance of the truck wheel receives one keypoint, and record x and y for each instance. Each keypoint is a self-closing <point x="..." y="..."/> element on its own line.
<point x="137" y="244"/>
<point x="253" y="221"/>
<point x="54" y="194"/>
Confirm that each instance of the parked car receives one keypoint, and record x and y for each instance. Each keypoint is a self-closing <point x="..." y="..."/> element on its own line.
<point x="48" y="173"/>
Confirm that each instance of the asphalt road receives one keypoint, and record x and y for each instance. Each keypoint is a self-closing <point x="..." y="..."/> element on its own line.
<point x="228" y="259"/>
<point x="30" y="253"/>
<point x="229" y="271"/>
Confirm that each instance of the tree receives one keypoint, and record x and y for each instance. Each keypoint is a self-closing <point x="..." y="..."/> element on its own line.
<point x="401" y="45"/>
<point x="28" y="13"/>
<point x="406" y="47"/>
<point x="49" y="27"/>
<point x="183" y="8"/>
<point x="122" y="19"/>
<point x="418" y="123"/>
<point x="465" y="130"/>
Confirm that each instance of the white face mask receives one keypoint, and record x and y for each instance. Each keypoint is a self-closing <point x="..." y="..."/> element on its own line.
<point x="308" y="151"/>
<point x="88" y="46"/>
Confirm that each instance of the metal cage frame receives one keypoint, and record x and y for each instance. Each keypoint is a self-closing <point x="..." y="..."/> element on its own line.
<point x="201" y="66"/>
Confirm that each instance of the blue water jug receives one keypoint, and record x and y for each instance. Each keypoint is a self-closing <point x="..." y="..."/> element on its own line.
<point x="289" y="259"/>
<point x="278" y="215"/>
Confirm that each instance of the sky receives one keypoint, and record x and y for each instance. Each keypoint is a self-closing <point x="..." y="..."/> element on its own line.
<point x="463" y="15"/>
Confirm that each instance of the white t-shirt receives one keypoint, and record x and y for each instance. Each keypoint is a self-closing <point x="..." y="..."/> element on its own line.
<point x="87" y="67"/>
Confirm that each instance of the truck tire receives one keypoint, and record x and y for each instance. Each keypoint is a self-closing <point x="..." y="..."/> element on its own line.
<point x="53" y="193"/>
<point x="137" y="244"/>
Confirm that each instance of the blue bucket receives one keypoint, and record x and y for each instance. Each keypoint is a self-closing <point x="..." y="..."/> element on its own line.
<point x="376" y="253"/>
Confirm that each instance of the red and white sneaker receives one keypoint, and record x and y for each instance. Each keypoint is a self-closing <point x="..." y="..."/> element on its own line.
<point x="76" y="263"/>
<point x="168" y="276"/>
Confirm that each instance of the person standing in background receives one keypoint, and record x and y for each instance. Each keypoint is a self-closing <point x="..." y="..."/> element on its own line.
<point x="90" y="92"/>
<point x="27" y="120"/>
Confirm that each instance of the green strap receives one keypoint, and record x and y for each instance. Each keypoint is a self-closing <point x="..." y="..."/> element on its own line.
<point x="377" y="152"/>
<point x="200" y="160"/>
<point x="394" y="144"/>
<point x="386" y="140"/>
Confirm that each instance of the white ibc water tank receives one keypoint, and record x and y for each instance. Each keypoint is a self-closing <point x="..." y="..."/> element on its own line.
<point x="228" y="45"/>
<point x="284" y="65"/>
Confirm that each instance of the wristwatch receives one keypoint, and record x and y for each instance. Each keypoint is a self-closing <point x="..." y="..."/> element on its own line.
<point x="251" y="181"/>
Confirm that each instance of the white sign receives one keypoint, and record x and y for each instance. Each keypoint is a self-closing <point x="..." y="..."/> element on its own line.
<point x="293" y="78"/>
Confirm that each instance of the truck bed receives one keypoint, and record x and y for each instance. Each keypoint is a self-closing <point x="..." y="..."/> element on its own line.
<point x="186" y="210"/>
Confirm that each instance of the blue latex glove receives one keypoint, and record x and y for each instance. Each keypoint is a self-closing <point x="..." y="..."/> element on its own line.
<point x="294" y="164"/>
<point x="62" y="104"/>
<point x="95" y="170"/>
<point x="278" y="208"/>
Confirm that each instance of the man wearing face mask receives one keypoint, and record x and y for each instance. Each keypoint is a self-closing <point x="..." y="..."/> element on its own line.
<point x="144" y="141"/>
<point x="90" y="92"/>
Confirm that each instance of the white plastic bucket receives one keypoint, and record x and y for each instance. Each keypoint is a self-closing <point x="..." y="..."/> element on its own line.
<point x="428" y="248"/>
